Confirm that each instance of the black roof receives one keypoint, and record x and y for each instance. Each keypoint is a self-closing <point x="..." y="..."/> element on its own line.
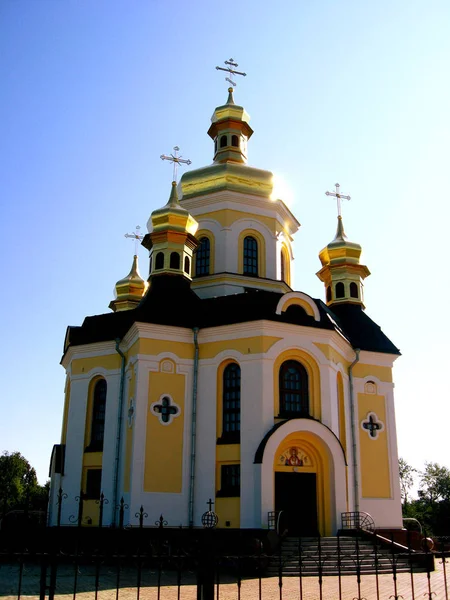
<point x="170" y="301"/>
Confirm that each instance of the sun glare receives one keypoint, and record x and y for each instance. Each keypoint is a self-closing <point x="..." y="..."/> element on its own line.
<point x="282" y="190"/>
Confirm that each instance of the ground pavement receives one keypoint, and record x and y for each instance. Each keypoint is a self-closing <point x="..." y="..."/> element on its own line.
<point x="292" y="588"/>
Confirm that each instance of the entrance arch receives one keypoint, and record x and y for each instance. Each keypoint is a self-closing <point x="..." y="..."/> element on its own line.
<point x="296" y="449"/>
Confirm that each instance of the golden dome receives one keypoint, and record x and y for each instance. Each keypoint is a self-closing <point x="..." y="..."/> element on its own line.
<point x="129" y="290"/>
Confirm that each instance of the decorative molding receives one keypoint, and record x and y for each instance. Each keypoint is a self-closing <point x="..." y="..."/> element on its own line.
<point x="167" y="366"/>
<point x="294" y="457"/>
<point x="370" y="387"/>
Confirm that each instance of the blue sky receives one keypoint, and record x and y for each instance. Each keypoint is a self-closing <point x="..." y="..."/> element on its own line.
<point x="93" y="92"/>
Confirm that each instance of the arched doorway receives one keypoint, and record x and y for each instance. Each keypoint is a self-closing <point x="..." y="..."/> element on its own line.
<point x="303" y="474"/>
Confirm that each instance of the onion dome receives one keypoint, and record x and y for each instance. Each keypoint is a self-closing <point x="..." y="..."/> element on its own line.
<point x="341" y="271"/>
<point x="129" y="290"/>
<point x="230" y="131"/>
<point x="170" y="238"/>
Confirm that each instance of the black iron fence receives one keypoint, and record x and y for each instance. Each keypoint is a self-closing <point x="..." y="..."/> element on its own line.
<point x="156" y="560"/>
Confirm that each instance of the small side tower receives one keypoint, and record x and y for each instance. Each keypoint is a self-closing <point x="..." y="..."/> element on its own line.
<point x="130" y="290"/>
<point x="170" y="239"/>
<point x="230" y="131"/>
<point x="341" y="271"/>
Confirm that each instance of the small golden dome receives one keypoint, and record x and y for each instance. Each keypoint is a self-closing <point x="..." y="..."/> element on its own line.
<point x="129" y="290"/>
<point x="172" y="216"/>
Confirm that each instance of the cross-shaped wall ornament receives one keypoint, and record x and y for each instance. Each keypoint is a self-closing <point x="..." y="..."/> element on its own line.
<point x="338" y="197"/>
<point x="130" y="415"/>
<point x="166" y="410"/>
<point x="372" y="425"/>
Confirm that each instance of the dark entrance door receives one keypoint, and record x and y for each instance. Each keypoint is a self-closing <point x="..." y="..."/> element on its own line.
<point x="295" y="495"/>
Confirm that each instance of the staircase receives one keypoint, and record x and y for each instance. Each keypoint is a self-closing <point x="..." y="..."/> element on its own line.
<point x="307" y="556"/>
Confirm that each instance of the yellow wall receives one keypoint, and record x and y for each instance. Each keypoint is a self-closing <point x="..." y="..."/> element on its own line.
<point x="164" y="442"/>
<point x="312" y="369"/>
<point x="228" y="509"/>
<point x="375" y="477"/>
<point x="84" y="365"/>
<point x="227" y="217"/>
<point x="250" y="345"/>
<point x="382" y="373"/>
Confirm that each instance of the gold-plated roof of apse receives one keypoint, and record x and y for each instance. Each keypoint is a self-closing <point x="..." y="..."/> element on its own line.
<point x="229" y="170"/>
<point x="129" y="290"/>
<point x="340" y="250"/>
<point x="172" y="216"/>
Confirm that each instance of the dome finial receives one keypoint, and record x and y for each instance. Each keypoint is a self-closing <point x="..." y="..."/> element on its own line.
<point x="230" y="99"/>
<point x="173" y="198"/>
<point x="176" y="160"/>
<point x="231" y="69"/>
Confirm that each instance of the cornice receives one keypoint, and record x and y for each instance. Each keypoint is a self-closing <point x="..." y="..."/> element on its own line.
<point x="87" y="351"/>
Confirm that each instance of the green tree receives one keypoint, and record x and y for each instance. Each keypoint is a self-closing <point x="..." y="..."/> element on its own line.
<point x="19" y="488"/>
<point x="406" y="473"/>
<point x="434" y="483"/>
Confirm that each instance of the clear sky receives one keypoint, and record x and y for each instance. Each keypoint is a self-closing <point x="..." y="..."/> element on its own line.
<point x="93" y="92"/>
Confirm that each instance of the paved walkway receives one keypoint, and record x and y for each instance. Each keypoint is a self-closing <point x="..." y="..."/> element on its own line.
<point x="228" y="590"/>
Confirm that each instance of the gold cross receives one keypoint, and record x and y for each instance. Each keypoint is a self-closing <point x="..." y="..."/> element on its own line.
<point x="338" y="197"/>
<point x="176" y="160"/>
<point x="231" y="69"/>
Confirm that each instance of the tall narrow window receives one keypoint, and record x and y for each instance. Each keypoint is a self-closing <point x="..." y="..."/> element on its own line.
<point x="223" y="141"/>
<point x="329" y="293"/>
<point x="283" y="266"/>
<point x="150" y="265"/>
<point x="293" y="387"/>
<point x="187" y="265"/>
<point x="340" y="290"/>
<point x="353" y="290"/>
<point x="202" y="257"/>
<point x="174" y="260"/>
<point x="98" y="415"/>
<point x="231" y="400"/>
<point x="230" y="481"/>
<point x="93" y="484"/>
<point x="235" y="141"/>
<point x="250" y="256"/>
<point x="159" y="261"/>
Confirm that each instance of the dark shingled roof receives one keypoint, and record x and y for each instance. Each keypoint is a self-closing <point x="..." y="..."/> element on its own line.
<point x="170" y="301"/>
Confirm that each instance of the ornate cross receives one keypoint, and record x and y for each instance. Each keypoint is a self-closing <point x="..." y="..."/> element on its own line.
<point x="165" y="409"/>
<point x="176" y="160"/>
<point x="136" y="237"/>
<point x="372" y="425"/>
<point x="210" y="503"/>
<point x="338" y="197"/>
<point x="231" y="69"/>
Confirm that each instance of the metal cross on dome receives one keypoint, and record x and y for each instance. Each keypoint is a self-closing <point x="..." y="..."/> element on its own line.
<point x="338" y="197"/>
<point x="231" y="69"/>
<point x="136" y="237"/>
<point x="176" y="160"/>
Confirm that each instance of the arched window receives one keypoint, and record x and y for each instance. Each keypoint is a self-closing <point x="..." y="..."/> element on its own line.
<point x="340" y="290"/>
<point x="231" y="403"/>
<point x="293" y="387"/>
<point x="250" y="256"/>
<point x="187" y="265"/>
<point x="174" y="260"/>
<point x="98" y="415"/>
<point x="223" y="141"/>
<point x="353" y="290"/>
<point x="235" y="141"/>
<point x="283" y="266"/>
<point x="150" y="265"/>
<point x="329" y="293"/>
<point x="202" y="257"/>
<point x="159" y="261"/>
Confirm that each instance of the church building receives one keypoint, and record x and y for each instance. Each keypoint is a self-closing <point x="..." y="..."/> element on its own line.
<point x="213" y="379"/>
